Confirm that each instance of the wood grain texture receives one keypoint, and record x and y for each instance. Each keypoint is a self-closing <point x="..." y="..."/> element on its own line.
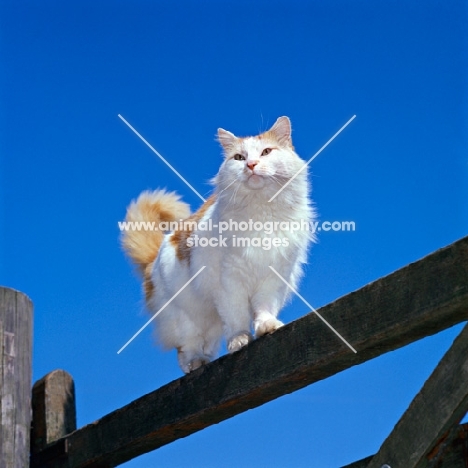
<point x="421" y="299"/>
<point x="54" y="411"/>
<point x="439" y="406"/>
<point x="15" y="377"/>
<point x="450" y="452"/>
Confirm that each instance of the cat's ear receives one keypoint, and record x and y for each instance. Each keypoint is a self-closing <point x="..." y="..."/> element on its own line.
<point x="226" y="139"/>
<point x="282" y="131"/>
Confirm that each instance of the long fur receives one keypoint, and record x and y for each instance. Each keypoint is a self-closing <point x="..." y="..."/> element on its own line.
<point x="236" y="296"/>
<point x="142" y="245"/>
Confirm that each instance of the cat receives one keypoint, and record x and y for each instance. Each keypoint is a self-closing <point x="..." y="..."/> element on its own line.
<point x="237" y="295"/>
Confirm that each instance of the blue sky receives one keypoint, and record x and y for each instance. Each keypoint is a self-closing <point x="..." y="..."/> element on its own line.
<point x="178" y="71"/>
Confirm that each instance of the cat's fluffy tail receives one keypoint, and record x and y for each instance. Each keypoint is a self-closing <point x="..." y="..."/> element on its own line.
<point x="143" y="236"/>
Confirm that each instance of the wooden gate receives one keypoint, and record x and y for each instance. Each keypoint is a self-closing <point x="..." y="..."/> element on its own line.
<point x="416" y="301"/>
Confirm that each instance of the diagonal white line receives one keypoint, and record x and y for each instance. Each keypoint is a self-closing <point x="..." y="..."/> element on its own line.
<point x="161" y="309"/>
<point x="159" y="155"/>
<point x="312" y="158"/>
<point x="313" y="310"/>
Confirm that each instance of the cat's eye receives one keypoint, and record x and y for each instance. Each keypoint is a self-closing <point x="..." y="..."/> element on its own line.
<point x="239" y="157"/>
<point x="266" y="151"/>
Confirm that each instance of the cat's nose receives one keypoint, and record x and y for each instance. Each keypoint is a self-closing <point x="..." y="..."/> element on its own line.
<point x="252" y="164"/>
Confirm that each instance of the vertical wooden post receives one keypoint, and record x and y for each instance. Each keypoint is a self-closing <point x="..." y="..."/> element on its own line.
<point x="54" y="413"/>
<point x="16" y="320"/>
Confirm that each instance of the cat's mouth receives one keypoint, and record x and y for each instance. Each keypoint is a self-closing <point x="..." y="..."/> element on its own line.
<point x="255" y="181"/>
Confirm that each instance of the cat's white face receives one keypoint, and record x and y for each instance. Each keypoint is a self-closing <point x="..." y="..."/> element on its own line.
<point x="266" y="160"/>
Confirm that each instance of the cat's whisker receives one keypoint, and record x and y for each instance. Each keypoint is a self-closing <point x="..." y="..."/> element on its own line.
<point x="225" y="188"/>
<point x="235" y="193"/>
<point x="274" y="178"/>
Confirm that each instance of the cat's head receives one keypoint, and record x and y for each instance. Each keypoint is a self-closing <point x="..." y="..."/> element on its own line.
<point x="266" y="161"/>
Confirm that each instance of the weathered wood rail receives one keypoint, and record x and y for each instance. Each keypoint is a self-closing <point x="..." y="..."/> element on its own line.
<point x="416" y="301"/>
<point x="450" y="452"/>
<point x="438" y="407"/>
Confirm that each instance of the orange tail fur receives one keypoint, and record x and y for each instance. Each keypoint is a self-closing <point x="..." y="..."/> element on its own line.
<point x="142" y="244"/>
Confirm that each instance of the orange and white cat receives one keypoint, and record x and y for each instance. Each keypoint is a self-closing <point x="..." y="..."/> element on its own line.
<point x="237" y="295"/>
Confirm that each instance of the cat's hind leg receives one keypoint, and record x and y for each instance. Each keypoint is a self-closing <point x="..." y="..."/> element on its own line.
<point x="190" y="359"/>
<point x="200" y="340"/>
<point x="199" y="349"/>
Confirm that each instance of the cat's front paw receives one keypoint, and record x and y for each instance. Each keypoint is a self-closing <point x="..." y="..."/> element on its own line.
<point x="239" y="341"/>
<point x="264" y="326"/>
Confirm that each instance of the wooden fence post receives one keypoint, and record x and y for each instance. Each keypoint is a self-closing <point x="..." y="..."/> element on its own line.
<point x="54" y="414"/>
<point x="16" y="319"/>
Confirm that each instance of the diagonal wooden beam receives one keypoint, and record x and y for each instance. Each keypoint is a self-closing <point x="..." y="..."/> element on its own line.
<point x="418" y="300"/>
<point x="439" y="406"/>
<point x="450" y="452"/>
